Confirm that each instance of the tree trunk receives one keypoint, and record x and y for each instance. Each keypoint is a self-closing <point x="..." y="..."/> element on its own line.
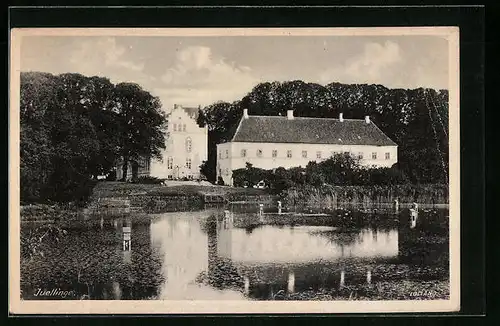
<point x="125" y="168"/>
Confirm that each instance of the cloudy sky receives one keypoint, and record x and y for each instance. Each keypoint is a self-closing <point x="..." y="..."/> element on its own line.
<point x="202" y="70"/>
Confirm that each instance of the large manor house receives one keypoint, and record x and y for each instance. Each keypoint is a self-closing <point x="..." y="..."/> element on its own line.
<point x="185" y="149"/>
<point x="269" y="142"/>
<point x="266" y="142"/>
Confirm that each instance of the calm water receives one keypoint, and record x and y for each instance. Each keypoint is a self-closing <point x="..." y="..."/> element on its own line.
<point x="211" y="255"/>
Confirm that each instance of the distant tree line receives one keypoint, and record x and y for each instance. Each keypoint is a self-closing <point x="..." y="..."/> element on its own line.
<point x="74" y="128"/>
<point x="339" y="170"/>
<point x="417" y="120"/>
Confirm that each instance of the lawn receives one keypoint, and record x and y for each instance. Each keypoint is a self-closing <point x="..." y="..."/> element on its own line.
<point x="123" y="189"/>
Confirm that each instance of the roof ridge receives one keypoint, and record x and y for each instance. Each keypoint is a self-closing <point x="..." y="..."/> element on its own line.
<point x="295" y="117"/>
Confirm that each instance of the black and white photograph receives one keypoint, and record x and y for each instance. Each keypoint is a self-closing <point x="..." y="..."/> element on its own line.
<point x="235" y="170"/>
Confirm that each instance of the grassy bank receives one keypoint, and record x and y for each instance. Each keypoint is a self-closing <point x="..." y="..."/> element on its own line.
<point x="155" y="198"/>
<point x="123" y="189"/>
<point x="49" y="213"/>
<point x="335" y="196"/>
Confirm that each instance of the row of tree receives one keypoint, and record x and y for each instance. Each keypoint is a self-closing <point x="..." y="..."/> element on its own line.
<point x="340" y="170"/>
<point x="417" y="120"/>
<point x="74" y="128"/>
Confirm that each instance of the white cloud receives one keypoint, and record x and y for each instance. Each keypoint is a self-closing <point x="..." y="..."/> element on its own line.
<point x="104" y="57"/>
<point x="371" y="66"/>
<point x="198" y="78"/>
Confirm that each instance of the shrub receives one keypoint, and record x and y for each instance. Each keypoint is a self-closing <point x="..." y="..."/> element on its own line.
<point x="111" y="176"/>
<point x="148" y="180"/>
<point x="339" y="170"/>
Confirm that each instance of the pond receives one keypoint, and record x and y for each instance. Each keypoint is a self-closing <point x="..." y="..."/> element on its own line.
<point x="234" y="253"/>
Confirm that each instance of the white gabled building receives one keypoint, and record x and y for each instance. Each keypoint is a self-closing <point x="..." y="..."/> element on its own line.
<point x="269" y="142"/>
<point x="186" y="149"/>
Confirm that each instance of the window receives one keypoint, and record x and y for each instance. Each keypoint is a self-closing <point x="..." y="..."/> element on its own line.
<point x="227" y="171"/>
<point x="275" y="153"/>
<point x="374" y="156"/>
<point x="318" y="154"/>
<point x="188" y="163"/>
<point x="259" y="153"/>
<point x="289" y="153"/>
<point x="304" y="154"/>
<point x="387" y="156"/>
<point x="189" y="144"/>
<point x="360" y="155"/>
<point x="243" y="153"/>
<point x="346" y="153"/>
<point x="175" y="126"/>
<point x="184" y="127"/>
<point x="227" y="153"/>
<point x="170" y="163"/>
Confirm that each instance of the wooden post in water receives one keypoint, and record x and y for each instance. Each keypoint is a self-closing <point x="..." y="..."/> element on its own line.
<point x="228" y="219"/>
<point x="291" y="282"/>
<point x="279" y="207"/>
<point x="413" y="215"/>
<point x="247" y="285"/>
<point x="342" y="279"/>
<point x="127" y="245"/>
<point x="261" y="213"/>
<point x="396" y="205"/>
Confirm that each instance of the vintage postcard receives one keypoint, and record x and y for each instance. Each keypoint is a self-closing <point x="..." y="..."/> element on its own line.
<point x="240" y="170"/>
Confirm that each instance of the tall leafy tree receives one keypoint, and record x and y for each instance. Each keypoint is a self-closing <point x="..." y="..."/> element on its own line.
<point x="417" y="120"/>
<point x="142" y="124"/>
<point x="73" y="128"/>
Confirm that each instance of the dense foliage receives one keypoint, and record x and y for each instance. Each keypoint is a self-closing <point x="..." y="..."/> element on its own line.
<point x="340" y="170"/>
<point x="417" y="120"/>
<point x="73" y="128"/>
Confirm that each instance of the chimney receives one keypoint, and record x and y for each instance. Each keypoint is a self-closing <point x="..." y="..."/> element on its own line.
<point x="175" y="106"/>
<point x="245" y="113"/>
<point x="289" y="114"/>
<point x="367" y="118"/>
<point x="341" y="117"/>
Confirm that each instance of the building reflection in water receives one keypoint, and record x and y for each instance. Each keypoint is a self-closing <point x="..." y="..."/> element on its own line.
<point x="183" y="246"/>
<point x="287" y="259"/>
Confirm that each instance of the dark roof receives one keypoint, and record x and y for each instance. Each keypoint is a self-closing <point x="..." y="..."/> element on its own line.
<point x="192" y="111"/>
<point x="273" y="129"/>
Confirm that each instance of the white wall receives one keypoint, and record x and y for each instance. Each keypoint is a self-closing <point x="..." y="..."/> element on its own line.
<point x="224" y="164"/>
<point x="176" y="147"/>
<point x="266" y="161"/>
